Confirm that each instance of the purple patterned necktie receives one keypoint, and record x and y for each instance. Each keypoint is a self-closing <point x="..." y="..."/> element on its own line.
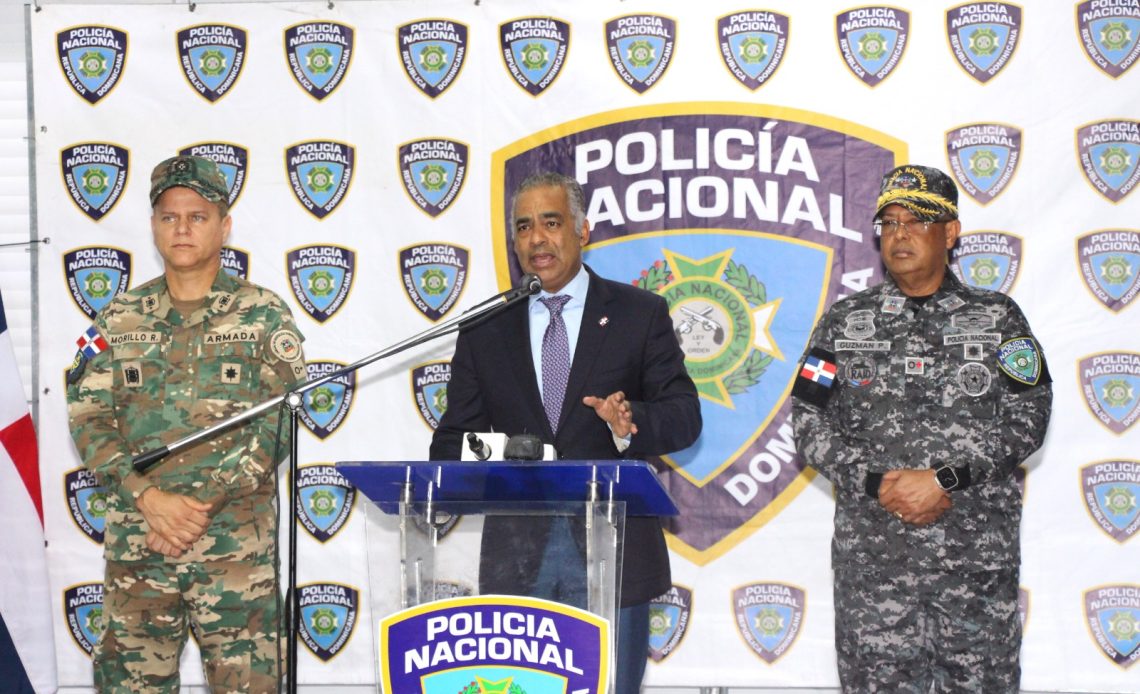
<point x="555" y="360"/>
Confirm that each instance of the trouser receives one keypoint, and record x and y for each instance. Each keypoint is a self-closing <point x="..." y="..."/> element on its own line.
<point x="148" y="606"/>
<point x="916" y="633"/>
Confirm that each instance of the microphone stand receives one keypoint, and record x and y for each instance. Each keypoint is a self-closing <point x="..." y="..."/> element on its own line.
<point x="529" y="284"/>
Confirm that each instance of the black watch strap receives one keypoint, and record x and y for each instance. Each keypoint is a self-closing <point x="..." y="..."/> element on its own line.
<point x="962" y="473"/>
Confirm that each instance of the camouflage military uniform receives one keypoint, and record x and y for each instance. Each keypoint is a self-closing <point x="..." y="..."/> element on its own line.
<point x="921" y="385"/>
<point x="163" y="376"/>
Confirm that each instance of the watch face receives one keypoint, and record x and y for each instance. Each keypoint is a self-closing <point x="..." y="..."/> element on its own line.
<point x="946" y="478"/>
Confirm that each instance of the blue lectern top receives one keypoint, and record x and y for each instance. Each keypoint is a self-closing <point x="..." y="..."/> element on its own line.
<point x="500" y="483"/>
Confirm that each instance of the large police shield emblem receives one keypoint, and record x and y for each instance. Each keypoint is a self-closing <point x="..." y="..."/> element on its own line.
<point x="983" y="37"/>
<point x="1109" y="32"/>
<point x="232" y="161"/>
<point x="872" y="41"/>
<point x="748" y="221"/>
<point x="92" y="58"/>
<point x="433" y="170"/>
<point x="511" y="645"/>
<point x="1112" y="613"/>
<point x="1110" y="382"/>
<point x="212" y="57"/>
<point x="87" y="502"/>
<point x="235" y="261"/>
<point x="95" y="175"/>
<point x="1110" y="265"/>
<point x="752" y="45"/>
<point x="434" y="276"/>
<point x="1109" y="153"/>
<point x="669" y="617"/>
<point x="1111" y="490"/>
<point x="320" y="278"/>
<point x="984" y="158"/>
<point x="534" y="51"/>
<point x="640" y="48"/>
<point x="429" y="390"/>
<point x="987" y="259"/>
<point x="432" y="52"/>
<point x="320" y="172"/>
<point x="94" y="275"/>
<point x="326" y="406"/>
<point x="328" y="615"/>
<point x="769" y="617"/>
<point x="319" y="54"/>
<point x="83" y="613"/>
<point x="324" y="500"/>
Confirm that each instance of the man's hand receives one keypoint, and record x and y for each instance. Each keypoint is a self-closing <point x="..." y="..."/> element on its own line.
<point x="155" y="542"/>
<point x="913" y="496"/>
<point x="616" y="412"/>
<point x="176" y="519"/>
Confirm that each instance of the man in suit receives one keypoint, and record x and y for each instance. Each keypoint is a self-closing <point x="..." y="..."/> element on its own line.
<point x="590" y="366"/>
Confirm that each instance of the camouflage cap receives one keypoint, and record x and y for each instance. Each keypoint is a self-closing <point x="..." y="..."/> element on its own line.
<point x="927" y="192"/>
<point x="199" y="174"/>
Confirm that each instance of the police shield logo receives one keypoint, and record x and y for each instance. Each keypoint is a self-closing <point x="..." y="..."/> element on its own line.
<point x="984" y="158"/>
<point x="769" y="617"/>
<point x="1111" y="490"/>
<point x="534" y="51"/>
<point x="562" y="649"/>
<point x="320" y="172"/>
<point x="212" y="58"/>
<point x="669" y="621"/>
<point x="1110" y="265"/>
<point x="95" y="174"/>
<point x="92" y="58"/>
<point x="319" y="54"/>
<point x="1110" y="34"/>
<point x="435" y="275"/>
<point x="429" y="390"/>
<point x="434" y="171"/>
<point x="1110" y="382"/>
<point x="1109" y="153"/>
<point x="433" y="52"/>
<point x="872" y="40"/>
<point x="87" y="502"/>
<point x="752" y="45"/>
<point x="1113" y="615"/>
<point x="983" y="37"/>
<point x="326" y="406"/>
<point x="83" y="612"/>
<point x="232" y="161"/>
<point x="328" y="614"/>
<point x="739" y="238"/>
<point x="641" y="48"/>
<point x="321" y="278"/>
<point x="235" y="261"/>
<point x="324" y="500"/>
<point x="95" y="274"/>
<point x="987" y="259"/>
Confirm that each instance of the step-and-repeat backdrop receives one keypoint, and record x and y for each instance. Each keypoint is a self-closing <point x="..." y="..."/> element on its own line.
<point x="730" y="153"/>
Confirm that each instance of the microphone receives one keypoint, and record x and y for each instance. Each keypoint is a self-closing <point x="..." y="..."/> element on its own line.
<point x="481" y="450"/>
<point x="531" y="283"/>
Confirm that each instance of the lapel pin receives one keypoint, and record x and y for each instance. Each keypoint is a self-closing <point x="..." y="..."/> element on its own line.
<point x="604" y="321"/>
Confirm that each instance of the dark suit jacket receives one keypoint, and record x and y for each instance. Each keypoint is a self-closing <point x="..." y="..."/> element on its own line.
<point x="626" y="343"/>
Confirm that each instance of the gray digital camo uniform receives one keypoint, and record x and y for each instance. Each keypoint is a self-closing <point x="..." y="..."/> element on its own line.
<point x="922" y="386"/>
<point x="161" y="377"/>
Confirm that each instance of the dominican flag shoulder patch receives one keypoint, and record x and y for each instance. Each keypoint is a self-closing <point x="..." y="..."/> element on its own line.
<point x="816" y="377"/>
<point x="91" y="342"/>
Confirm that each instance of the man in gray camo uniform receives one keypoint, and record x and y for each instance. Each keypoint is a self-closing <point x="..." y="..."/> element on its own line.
<point x="917" y="399"/>
<point x="191" y="544"/>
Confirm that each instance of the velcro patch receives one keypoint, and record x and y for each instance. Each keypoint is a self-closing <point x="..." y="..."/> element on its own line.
<point x="816" y="377"/>
<point x="285" y="345"/>
<point x="132" y="374"/>
<point x="230" y="373"/>
<point x="1020" y="359"/>
<point x="78" y="366"/>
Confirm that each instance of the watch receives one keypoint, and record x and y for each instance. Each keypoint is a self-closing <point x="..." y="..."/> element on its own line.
<point x="948" y="479"/>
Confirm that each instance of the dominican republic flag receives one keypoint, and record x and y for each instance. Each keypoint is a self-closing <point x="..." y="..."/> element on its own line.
<point x="818" y="370"/>
<point x="27" y="648"/>
<point x="91" y="342"/>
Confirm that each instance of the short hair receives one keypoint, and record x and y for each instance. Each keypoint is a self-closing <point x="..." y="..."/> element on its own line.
<point x="574" y="195"/>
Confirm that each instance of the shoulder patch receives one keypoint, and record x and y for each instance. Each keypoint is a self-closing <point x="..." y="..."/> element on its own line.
<point x="816" y="377"/>
<point x="285" y="345"/>
<point x="78" y="366"/>
<point x="1020" y="359"/>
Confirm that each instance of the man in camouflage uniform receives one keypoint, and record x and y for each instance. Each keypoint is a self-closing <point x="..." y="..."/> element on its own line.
<point x="918" y="398"/>
<point x="191" y="543"/>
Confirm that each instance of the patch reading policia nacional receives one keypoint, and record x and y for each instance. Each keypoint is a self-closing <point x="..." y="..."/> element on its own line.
<point x="816" y="377"/>
<point x="1020" y="359"/>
